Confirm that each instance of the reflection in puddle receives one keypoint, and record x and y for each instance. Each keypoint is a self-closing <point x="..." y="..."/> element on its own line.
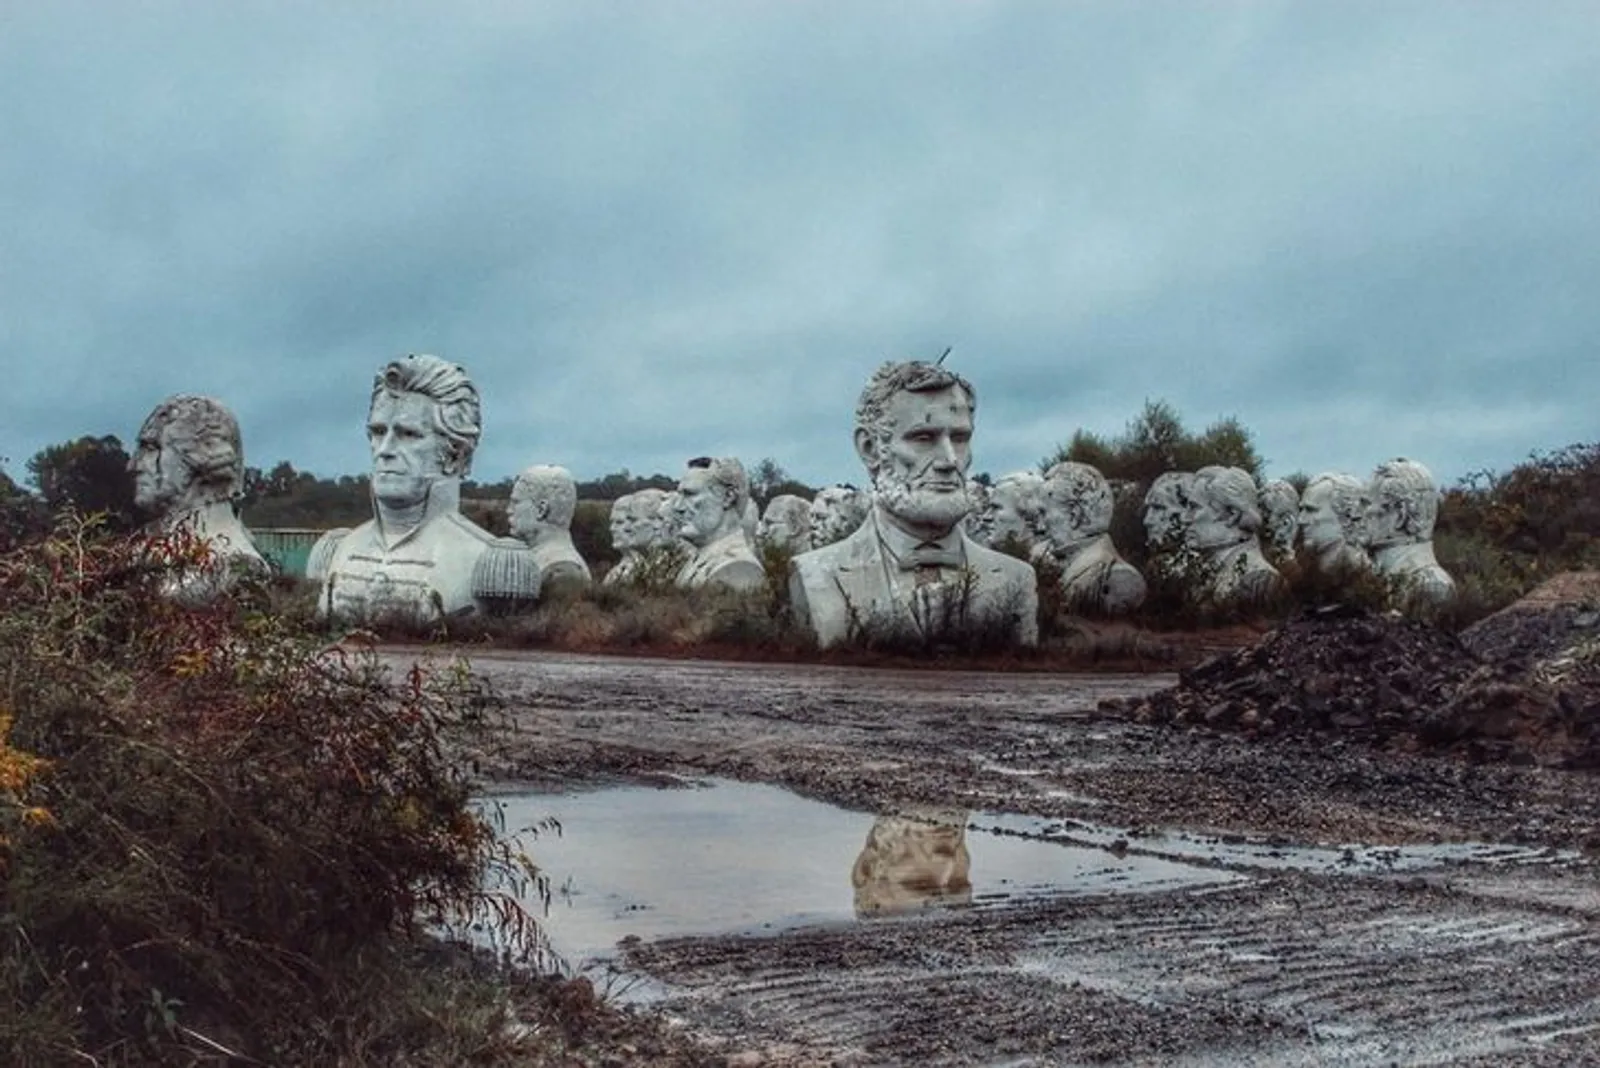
<point x="730" y="857"/>
<point x="918" y="859"/>
<point x="726" y="857"/>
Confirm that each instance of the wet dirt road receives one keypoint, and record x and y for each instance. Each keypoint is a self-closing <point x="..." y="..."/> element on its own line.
<point x="1325" y="956"/>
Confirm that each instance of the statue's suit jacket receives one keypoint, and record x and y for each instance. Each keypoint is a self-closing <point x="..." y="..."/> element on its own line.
<point x="1099" y="576"/>
<point x="1243" y="573"/>
<point x="833" y="586"/>
<point x="728" y="561"/>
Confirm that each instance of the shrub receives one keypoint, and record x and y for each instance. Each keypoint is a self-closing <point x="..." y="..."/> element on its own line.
<point x="231" y="825"/>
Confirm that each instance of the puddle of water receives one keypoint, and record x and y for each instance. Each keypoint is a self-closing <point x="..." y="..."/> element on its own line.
<point x="721" y="857"/>
<point x="730" y="857"/>
<point x="1262" y="854"/>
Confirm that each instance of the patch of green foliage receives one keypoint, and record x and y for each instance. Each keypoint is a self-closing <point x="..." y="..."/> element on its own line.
<point x="1155" y="441"/>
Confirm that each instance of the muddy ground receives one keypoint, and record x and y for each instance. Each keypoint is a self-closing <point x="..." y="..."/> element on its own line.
<point x="1492" y="960"/>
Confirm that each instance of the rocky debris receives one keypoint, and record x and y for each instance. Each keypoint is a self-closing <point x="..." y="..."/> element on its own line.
<point x="1403" y="684"/>
<point x="1551" y="636"/>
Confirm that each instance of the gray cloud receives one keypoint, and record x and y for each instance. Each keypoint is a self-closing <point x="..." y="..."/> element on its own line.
<point x="654" y="233"/>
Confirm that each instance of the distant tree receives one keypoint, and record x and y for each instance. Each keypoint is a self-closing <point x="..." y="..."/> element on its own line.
<point x="1155" y="441"/>
<point x="89" y="474"/>
<point x="768" y="480"/>
<point x="498" y="491"/>
<point x="622" y="482"/>
<point x="22" y="515"/>
<point x="284" y="497"/>
<point x="765" y="476"/>
<point x="1228" y="443"/>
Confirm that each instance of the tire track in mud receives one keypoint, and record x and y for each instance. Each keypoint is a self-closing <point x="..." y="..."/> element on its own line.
<point x="1287" y="970"/>
<point x="1461" y="963"/>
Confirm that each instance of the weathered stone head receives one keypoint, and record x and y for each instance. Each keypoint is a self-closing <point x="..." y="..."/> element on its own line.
<point x="1076" y="504"/>
<point x="1404" y="504"/>
<point x="710" y="500"/>
<point x="786" y="524"/>
<point x="1015" y="507"/>
<point x="1166" y="509"/>
<point x="636" y="520"/>
<point x="621" y="523"/>
<point x="1224" y="508"/>
<point x="543" y="499"/>
<point x="423" y="425"/>
<point x="836" y="513"/>
<point x="1333" y="514"/>
<point x="188" y="455"/>
<point x="1280" y="513"/>
<point x="914" y="436"/>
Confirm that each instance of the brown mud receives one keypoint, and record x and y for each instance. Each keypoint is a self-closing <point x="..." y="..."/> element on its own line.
<point x="1477" y="960"/>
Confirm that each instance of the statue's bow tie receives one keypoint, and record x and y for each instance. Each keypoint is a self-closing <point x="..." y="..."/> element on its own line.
<point x="930" y="555"/>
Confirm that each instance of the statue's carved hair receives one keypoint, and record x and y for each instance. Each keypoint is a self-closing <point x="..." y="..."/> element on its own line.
<point x="910" y="376"/>
<point x="1410" y="480"/>
<point x="1231" y="487"/>
<point x="1348" y="496"/>
<point x="553" y="485"/>
<point x="457" y="414"/>
<point x="727" y="474"/>
<point x="210" y="448"/>
<point x="1084" y="492"/>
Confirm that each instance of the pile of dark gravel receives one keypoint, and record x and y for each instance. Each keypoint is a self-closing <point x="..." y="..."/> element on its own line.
<point x="1402" y="684"/>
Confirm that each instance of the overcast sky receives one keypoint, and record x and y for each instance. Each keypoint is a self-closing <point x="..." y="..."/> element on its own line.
<point x="652" y="231"/>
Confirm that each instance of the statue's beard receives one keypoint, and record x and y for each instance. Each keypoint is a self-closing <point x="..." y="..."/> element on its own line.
<point x="918" y="505"/>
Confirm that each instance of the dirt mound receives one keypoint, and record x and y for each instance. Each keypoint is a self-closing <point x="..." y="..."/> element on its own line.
<point x="1552" y="622"/>
<point x="1397" y="683"/>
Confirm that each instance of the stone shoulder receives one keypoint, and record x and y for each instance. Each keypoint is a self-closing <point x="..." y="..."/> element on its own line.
<point x="320" y="560"/>
<point x="473" y="530"/>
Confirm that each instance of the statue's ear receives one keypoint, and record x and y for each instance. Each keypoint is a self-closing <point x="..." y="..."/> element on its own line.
<point x="867" y="448"/>
<point x="453" y="461"/>
<point x="1407" y="507"/>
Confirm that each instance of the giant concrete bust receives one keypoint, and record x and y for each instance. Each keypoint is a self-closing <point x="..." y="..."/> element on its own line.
<point x="1280" y="517"/>
<point x="1075" y="522"/>
<point x="1333" y="522"/>
<point x="1167" y="504"/>
<point x="543" y="501"/>
<point x="911" y="569"/>
<point x="708" y="512"/>
<point x="1014" y="510"/>
<point x="1224" y="528"/>
<point x="418" y="557"/>
<point x="836" y="513"/>
<point x="188" y="469"/>
<point x="786" y="524"/>
<point x="637" y="527"/>
<point x="1400" y="516"/>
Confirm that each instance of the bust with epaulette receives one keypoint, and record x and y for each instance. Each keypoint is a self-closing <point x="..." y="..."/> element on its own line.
<point x="418" y="557"/>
